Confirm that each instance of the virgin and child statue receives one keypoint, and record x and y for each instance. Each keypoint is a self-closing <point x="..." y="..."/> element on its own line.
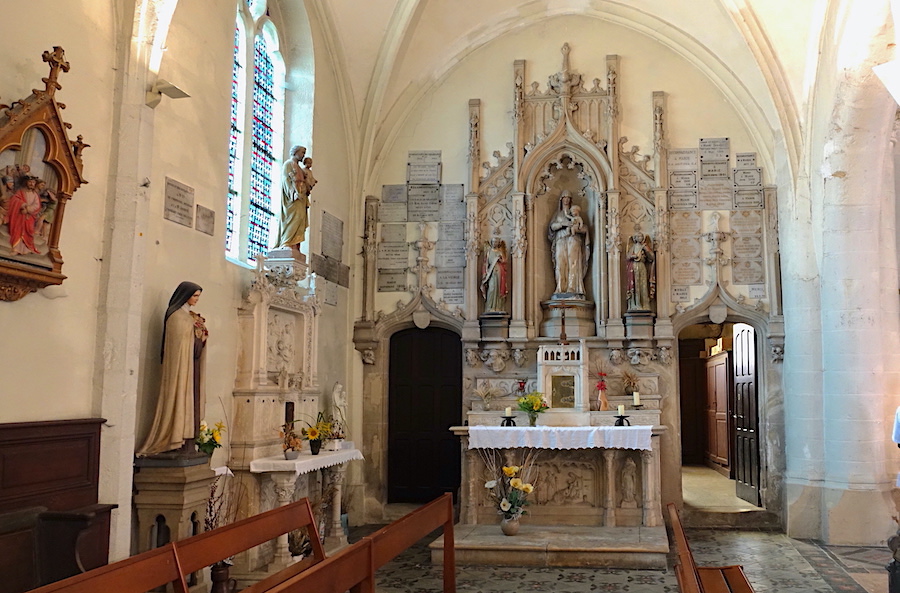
<point x="570" y="247"/>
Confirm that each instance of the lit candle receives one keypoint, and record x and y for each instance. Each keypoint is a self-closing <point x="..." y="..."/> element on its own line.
<point x="621" y="409"/>
<point x="508" y="412"/>
<point x="637" y="398"/>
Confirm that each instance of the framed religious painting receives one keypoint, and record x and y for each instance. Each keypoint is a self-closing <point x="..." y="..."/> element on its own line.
<point x="40" y="169"/>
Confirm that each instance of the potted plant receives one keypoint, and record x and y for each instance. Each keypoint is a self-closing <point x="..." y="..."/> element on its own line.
<point x="509" y="486"/>
<point x="316" y="433"/>
<point x="486" y="393"/>
<point x="291" y="443"/>
<point x="210" y="439"/>
<point x="532" y="404"/>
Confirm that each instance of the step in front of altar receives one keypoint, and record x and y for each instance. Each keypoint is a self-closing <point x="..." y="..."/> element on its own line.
<point x="541" y="545"/>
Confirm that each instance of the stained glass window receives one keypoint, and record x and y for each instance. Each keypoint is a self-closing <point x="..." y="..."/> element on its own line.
<point x="235" y="148"/>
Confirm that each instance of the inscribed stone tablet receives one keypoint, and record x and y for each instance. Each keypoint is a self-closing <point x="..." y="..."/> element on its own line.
<point x="715" y="194"/>
<point x="745" y="160"/>
<point x="714" y="170"/>
<point x="450" y="254"/>
<point x="206" y="220"/>
<point x="686" y="272"/>
<point x="391" y="281"/>
<point x="682" y="199"/>
<point x="393" y="256"/>
<point x="393" y="233"/>
<point x="747" y="247"/>
<point x="686" y="248"/>
<point x="748" y="198"/>
<point x="393" y="194"/>
<point x="680" y="294"/>
<point x="746" y="222"/>
<point x="452" y="231"/>
<point x="424" y="203"/>
<point x="454" y="296"/>
<point x="332" y="236"/>
<point x="453" y="203"/>
<point x="392" y="212"/>
<point x="686" y="223"/>
<point x="748" y="177"/>
<point x="748" y="272"/>
<point x="682" y="159"/>
<point x="179" y="205"/>
<point x="714" y="149"/>
<point x="424" y="157"/>
<point x="682" y="179"/>
<point x="757" y="291"/>
<point x="454" y="278"/>
<point x="426" y="174"/>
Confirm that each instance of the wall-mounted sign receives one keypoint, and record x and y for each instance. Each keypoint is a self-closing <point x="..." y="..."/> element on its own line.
<point x="179" y="204"/>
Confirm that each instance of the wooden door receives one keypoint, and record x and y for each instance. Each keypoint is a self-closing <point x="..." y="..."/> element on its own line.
<point x="718" y="382"/>
<point x="746" y="418"/>
<point x="424" y="401"/>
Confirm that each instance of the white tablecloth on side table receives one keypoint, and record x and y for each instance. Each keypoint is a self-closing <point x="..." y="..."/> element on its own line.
<point x="561" y="437"/>
<point x="305" y="463"/>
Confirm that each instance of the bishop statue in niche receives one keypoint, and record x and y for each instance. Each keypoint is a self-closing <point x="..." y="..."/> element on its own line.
<point x="570" y="248"/>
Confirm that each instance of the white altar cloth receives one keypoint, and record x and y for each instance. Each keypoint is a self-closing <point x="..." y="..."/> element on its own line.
<point x="561" y="437"/>
<point x="305" y="463"/>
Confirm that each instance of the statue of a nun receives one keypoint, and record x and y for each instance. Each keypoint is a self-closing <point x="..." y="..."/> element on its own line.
<point x="181" y="394"/>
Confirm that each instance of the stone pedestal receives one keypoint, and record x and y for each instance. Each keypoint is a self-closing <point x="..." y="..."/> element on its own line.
<point x="638" y="325"/>
<point x="494" y="325"/>
<point x="579" y="318"/>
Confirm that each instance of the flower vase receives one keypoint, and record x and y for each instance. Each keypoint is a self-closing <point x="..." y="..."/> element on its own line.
<point x="221" y="583"/>
<point x="291" y="454"/>
<point x="604" y="403"/>
<point x="315" y="446"/>
<point x="532" y="419"/>
<point x="509" y="526"/>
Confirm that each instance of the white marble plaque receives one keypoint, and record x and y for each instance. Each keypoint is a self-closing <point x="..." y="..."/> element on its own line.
<point x="757" y="291"/>
<point x="686" y="248"/>
<point x="332" y="236"/>
<point x="423" y="174"/>
<point x="391" y="281"/>
<point x="424" y="157"/>
<point x="452" y="231"/>
<point x="393" y="194"/>
<point x="680" y="294"/>
<point x="686" y="223"/>
<point x="206" y="220"/>
<point x="179" y="205"/>
<point x="392" y="212"/>
<point x="748" y="177"/>
<point x="686" y="272"/>
<point x="452" y="278"/>
<point x="393" y="256"/>
<point x="748" y="198"/>
<point x="714" y="149"/>
<point x="424" y="203"/>
<point x="745" y="160"/>
<point x="454" y="296"/>
<point x="715" y="194"/>
<point x="714" y="170"/>
<point x="682" y="159"/>
<point x="328" y="291"/>
<point x="747" y="247"/>
<point x="746" y="222"/>
<point x="393" y="233"/>
<point x="450" y="254"/>
<point x="453" y="203"/>
<point x="748" y="272"/>
<point x="682" y="179"/>
<point x="682" y="199"/>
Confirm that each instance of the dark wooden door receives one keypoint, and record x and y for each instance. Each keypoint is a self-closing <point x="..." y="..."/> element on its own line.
<point x="718" y="382"/>
<point x="425" y="400"/>
<point x="746" y="417"/>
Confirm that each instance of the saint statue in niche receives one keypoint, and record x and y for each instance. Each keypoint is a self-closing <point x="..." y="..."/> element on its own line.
<point x="494" y="286"/>
<point x="640" y="267"/>
<point x="295" y="189"/>
<point x="570" y="249"/>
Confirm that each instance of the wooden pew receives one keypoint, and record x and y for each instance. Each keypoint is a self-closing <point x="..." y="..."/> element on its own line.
<point x="704" y="579"/>
<point x="350" y="569"/>
<point x="137" y="574"/>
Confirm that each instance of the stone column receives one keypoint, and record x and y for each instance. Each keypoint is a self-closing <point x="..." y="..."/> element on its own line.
<point x="609" y="502"/>
<point x="517" y="328"/>
<point x="652" y="506"/>
<point x="335" y="538"/>
<point x="284" y="484"/>
<point x="471" y="329"/>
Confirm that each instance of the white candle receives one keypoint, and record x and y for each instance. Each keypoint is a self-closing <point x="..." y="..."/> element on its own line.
<point x="621" y="409"/>
<point x="508" y="412"/>
<point x="637" y="398"/>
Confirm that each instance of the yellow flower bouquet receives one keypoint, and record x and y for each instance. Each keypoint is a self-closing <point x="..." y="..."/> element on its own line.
<point x="532" y="404"/>
<point x="210" y="439"/>
<point x="509" y="485"/>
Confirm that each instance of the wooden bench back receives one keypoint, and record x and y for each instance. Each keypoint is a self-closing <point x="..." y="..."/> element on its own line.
<point x="686" y="569"/>
<point x="137" y="574"/>
<point x="350" y="569"/>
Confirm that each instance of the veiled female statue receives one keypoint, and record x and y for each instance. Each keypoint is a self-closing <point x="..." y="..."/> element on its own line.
<point x="570" y="249"/>
<point x="640" y="267"/>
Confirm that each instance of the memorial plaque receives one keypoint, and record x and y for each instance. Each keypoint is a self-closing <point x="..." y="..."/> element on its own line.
<point x="680" y="294"/>
<point x="453" y="203"/>
<point x="745" y="160"/>
<point x="746" y="222"/>
<point x="393" y="194"/>
<point x="452" y="231"/>
<point x="393" y="233"/>
<point x="393" y="256"/>
<point x="748" y="272"/>
<point x="424" y="203"/>
<point x="206" y="220"/>
<point x="682" y="159"/>
<point x="748" y="198"/>
<point x="450" y="254"/>
<point x="328" y="291"/>
<point x="179" y="205"/>
<point x="330" y="269"/>
<point x="424" y="157"/>
<point x="423" y="174"/>
<point x="392" y="212"/>
<point x="686" y="248"/>
<point x="748" y="177"/>
<point x="715" y="194"/>
<point x="757" y="291"/>
<point x="683" y="179"/>
<point x="714" y="170"/>
<point x="747" y="247"/>
<point x="686" y="272"/>
<point x="686" y="223"/>
<point x="391" y="281"/>
<point x="714" y="149"/>
<point x="454" y="296"/>
<point x="451" y="278"/>
<point x="332" y="236"/>
<point x="682" y="199"/>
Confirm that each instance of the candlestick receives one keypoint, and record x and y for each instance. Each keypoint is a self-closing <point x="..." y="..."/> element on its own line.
<point x="508" y="412"/>
<point x="637" y="398"/>
<point x="621" y="409"/>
